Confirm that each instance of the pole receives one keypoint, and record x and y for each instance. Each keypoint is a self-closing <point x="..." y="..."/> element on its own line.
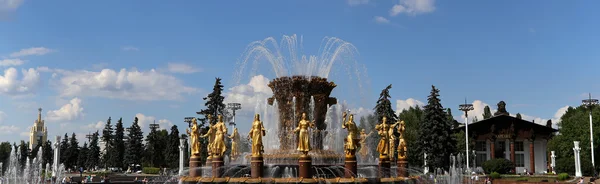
<point x="467" y="138"/>
<point x="592" y="141"/>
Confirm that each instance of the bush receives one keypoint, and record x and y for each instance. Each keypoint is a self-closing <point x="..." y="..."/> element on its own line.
<point x="499" y="165"/>
<point x="563" y="176"/>
<point x="150" y="170"/>
<point x="495" y="175"/>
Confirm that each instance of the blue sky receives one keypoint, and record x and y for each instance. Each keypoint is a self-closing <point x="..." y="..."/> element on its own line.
<point x="83" y="61"/>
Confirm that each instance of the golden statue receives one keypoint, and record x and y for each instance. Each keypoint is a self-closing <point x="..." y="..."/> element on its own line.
<point x="235" y="139"/>
<point x="256" y="133"/>
<point x="350" y="143"/>
<point x="364" y="148"/>
<point x="211" y="137"/>
<point x="384" y="142"/>
<point x="218" y="144"/>
<point x="392" y="139"/>
<point x="303" y="137"/>
<point x="194" y="134"/>
<point x="401" y="143"/>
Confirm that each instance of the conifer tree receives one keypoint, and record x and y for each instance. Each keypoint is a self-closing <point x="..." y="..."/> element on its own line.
<point x="47" y="153"/>
<point x="64" y="150"/>
<point x="119" y="144"/>
<point x="82" y="157"/>
<point x="73" y="152"/>
<point x="384" y="106"/>
<point x="214" y="106"/>
<point x="487" y="113"/>
<point x="172" y="151"/>
<point x="436" y="132"/>
<point x="24" y="154"/>
<point x="93" y="156"/>
<point x="135" y="148"/>
<point x="108" y="159"/>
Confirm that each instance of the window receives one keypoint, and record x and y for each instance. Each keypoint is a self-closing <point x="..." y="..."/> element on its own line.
<point x="480" y="146"/>
<point x="480" y="158"/>
<point x="520" y="160"/>
<point x="519" y="146"/>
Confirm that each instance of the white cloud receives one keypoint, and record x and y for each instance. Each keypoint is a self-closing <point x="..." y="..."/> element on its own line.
<point x="94" y="126"/>
<point x="361" y="112"/>
<point x="25" y="134"/>
<point x="381" y="20"/>
<point x="11" y="62"/>
<point x="68" y="112"/>
<point x="11" y="85"/>
<point x="144" y="121"/>
<point x="357" y="2"/>
<point x="251" y="94"/>
<point x="129" y="85"/>
<point x="478" y="109"/>
<point x="31" y="51"/>
<point x="181" y="68"/>
<point x="2" y="117"/>
<point x="413" y="7"/>
<point x="406" y="104"/>
<point x="130" y="48"/>
<point x="8" y="129"/>
<point x="7" y="6"/>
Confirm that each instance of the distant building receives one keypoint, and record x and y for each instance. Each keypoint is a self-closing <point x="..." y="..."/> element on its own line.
<point x="38" y="133"/>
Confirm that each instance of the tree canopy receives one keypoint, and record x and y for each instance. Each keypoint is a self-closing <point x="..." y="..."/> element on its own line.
<point x="436" y="135"/>
<point x="384" y="106"/>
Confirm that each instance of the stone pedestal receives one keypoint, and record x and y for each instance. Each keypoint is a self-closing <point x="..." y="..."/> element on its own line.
<point x="256" y="167"/>
<point x="350" y="165"/>
<point x="402" y="167"/>
<point x="217" y="166"/>
<point x="304" y="166"/>
<point x="209" y="160"/>
<point x="384" y="166"/>
<point x="195" y="164"/>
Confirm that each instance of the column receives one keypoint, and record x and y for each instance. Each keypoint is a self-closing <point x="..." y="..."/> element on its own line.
<point x="56" y="156"/>
<point x="512" y="153"/>
<point x="576" y="150"/>
<point x="552" y="161"/>
<point x="492" y="148"/>
<point x="531" y="156"/>
<point x="181" y="156"/>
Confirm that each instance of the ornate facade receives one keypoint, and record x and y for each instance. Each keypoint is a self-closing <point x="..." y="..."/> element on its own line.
<point x="38" y="133"/>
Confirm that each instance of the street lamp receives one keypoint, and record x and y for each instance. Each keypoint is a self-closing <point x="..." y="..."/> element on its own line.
<point x="466" y="108"/>
<point x="233" y="107"/>
<point x="590" y="102"/>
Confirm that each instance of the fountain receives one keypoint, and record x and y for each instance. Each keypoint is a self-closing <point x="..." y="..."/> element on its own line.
<point x="32" y="172"/>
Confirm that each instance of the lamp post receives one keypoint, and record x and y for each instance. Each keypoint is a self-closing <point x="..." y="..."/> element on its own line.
<point x="466" y="108"/>
<point x="233" y="107"/>
<point x="590" y="102"/>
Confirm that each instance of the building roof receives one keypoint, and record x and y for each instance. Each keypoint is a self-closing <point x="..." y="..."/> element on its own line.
<point x="502" y="123"/>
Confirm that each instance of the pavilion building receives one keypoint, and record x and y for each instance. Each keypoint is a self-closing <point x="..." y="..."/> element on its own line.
<point x="502" y="136"/>
<point x="38" y="133"/>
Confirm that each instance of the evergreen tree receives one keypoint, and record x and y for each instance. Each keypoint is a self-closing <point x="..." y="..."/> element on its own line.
<point x="24" y="154"/>
<point x="135" y="148"/>
<point x="107" y="137"/>
<point x="518" y="116"/>
<point x="119" y="144"/>
<point x="436" y="132"/>
<point x="155" y="144"/>
<point x="34" y="152"/>
<point x="413" y="118"/>
<point x="214" y="106"/>
<point x="82" y="157"/>
<point x="5" y="149"/>
<point x="47" y="153"/>
<point x="64" y="150"/>
<point x="384" y="106"/>
<point x="172" y="151"/>
<point x="451" y="118"/>
<point x="93" y="155"/>
<point x="73" y="152"/>
<point x="487" y="113"/>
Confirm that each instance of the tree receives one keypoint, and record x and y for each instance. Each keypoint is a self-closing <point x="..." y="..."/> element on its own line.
<point x="384" y="106"/>
<point x="487" y="113"/>
<point x="119" y="144"/>
<point x="64" y="149"/>
<point x="172" y="150"/>
<point x="518" y="116"/>
<point x="5" y="149"/>
<point x="436" y="128"/>
<point x="413" y="119"/>
<point x="34" y="152"/>
<point x="135" y="148"/>
<point x="214" y="106"/>
<point x="24" y="154"/>
<point x="549" y="123"/>
<point x="73" y="152"/>
<point x="82" y="157"/>
<point x="451" y="118"/>
<point x="107" y="137"/>
<point x="93" y="155"/>
<point x="155" y="143"/>
<point x="47" y="153"/>
<point x="574" y="126"/>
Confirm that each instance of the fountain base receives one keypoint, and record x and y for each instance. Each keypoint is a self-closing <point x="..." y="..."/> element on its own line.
<point x="217" y="166"/>
<point x="384" y="166"/>
<point x="399" y="180"/>
<point x="305" y="166"/>
<point x="402" y="166"/>
<point x="256" y="167"/>
<point x="195" y="165"/>
<point x="350" y="167"/>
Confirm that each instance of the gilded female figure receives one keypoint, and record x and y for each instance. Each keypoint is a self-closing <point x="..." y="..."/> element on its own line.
<point x="235" y="139"/>
<point x="219" y="142"/>
<point x="256" y="133"/>
<point x="303" y="137"/>
<point x="194" y="135"/>
<point x="382" y="129"/>
<point x="351" y="144"/>
<point x="364" y="148"/>
<point x="401" y="143"/>
<point x="211" y="136"/>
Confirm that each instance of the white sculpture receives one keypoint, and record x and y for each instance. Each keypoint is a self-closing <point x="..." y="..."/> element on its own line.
<point x="576" y="149"/>
<point x="56" y="147"/>
<point x="553" y="161"/>
<point x="181" y="156"/>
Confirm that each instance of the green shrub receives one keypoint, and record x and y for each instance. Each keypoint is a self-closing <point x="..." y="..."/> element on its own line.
<point x="499" y="165"/>
<point x="563" y="176"/>
<point x="150" y="170"/>
<point x="521" y="179"/>
<point x="495" y="175"/>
